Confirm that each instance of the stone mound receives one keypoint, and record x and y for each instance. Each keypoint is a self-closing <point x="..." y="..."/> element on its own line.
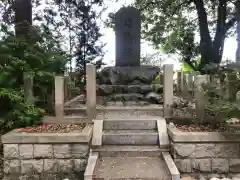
<point x="128" y="75"/>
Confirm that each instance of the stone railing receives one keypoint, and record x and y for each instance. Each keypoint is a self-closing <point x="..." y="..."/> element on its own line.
<point x="46" y="155"/>
<point x="205" y="152"/>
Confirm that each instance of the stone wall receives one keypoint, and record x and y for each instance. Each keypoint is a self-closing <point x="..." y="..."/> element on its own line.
<point x="55" y="156"/>
<point x="44" y="161"/>
<point x="205" y="152"/>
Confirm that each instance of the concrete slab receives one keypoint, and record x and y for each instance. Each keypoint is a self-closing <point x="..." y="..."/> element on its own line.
<point x="129" y="124"/>
<point x="130" y="151"/>
<point x="162" y="133"/>
<point x="127" y="137"/>
<point x="14" y="137"/>
<point x="92" y="160"/>
<point x="130" y="168"/>
<point x="172" y="168"/>
<point x="97" y="133"/>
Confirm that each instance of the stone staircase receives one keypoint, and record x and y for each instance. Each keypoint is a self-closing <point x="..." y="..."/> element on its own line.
<point x="130" y="148"/>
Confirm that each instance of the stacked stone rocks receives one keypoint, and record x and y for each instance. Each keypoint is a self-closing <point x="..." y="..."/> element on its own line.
<point x="129" y="86"/>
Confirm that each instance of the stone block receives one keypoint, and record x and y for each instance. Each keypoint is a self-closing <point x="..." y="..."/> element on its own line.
<point x="26" y="151"/>
<point x="80" y="151"/>
<point x="11" y="151"/>
<point x="43" y="151"/>
<point x="202" y="165"/>
<point x="65" y="165"/>
<point x="11" y="177"/>
<point x="48" y="176"/>
<point x="30" y="177"/>
<point x="31" y="166"/>
<point x="11" y="166"/>
<point x="79" y="165"/>
<point x="217" y="150"/>
<point x="234" y="165"/>
<point x="220" y="165"/>
<point x="50" y="165"/>
<point x="62" y="151"/>
<point x="184" y="150"/>
<point x="184" y="165"/>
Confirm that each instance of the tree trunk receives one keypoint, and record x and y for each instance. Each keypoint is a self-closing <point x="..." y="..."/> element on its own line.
<point x="23" y="17"/>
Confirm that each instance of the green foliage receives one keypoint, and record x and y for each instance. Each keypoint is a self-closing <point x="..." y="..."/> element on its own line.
<point x="42" y="58"/>
<point x="220" y="103"/>
<point x="175" y="27"/>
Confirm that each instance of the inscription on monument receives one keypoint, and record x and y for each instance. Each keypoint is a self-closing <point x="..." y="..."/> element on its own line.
<point x="127" y="37"/>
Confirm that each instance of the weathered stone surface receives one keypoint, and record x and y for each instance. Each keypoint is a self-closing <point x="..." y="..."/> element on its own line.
<point x="48" y="176"/>
<point x="50" y="165"/>
<point x="127" y="28"/>
<point x="26" y="151"/>
<point x="188" y="178"/>
<point x="65" y="165"/>
<point x="30" y="177"/>
<point x="217" y="150"/>
<point x="201" y="165"/>
<point x="127" y="97"/>
<point x="80" y="151"/>
<point x="80" y="164"/>
<point x="11" y="166"/>
<point x="31" y="166"/>
<point x="234" y="165"/>
<point x="11" y="177"/>
<point x="184" y="165"/>
<point x="43" y="151"/>
<point x="220" y="165"/>
<point x="103" y="90"/>
<point x="62" y="150"/>
<point x="11" y="151"/>
<point x="154" y="98"/>
<point x="184" y="150"/>
<point x="128" y="75"/>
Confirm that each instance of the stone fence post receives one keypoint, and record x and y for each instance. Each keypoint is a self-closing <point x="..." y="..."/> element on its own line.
<point x="59" y="98"/>
<point x="168" y="90"/>
<point x="28" y="88"/>
<point x="91" y="91"/>
<point x="199" y="94"/>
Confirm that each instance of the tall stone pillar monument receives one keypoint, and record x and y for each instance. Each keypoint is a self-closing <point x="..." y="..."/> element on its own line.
<point x="127" y="29"/>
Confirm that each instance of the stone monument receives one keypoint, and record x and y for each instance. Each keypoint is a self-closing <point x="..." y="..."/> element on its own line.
<point x="127" y="29"/>
<point x="128" y="80"/>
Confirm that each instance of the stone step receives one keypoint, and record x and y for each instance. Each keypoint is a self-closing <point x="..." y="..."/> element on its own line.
<point x="106" y="90"/>
<point x="130" y="151"/>
<point x="118" y="111"/>
<point x="128" y="124"/>
<point x="144" y="168"/>
<point x="130" y="137"/>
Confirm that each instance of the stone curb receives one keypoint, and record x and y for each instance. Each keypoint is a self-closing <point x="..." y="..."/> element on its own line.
<point x="162" y="133"/>
<point x="92" y="161"/>
<point x="66" y="120"/>
<point x="15" y="137"/>
<point x="171" y="167"/>
<point x="97" y="133"/>
<point x="178" y="136"/>
<point x="68" y="103"/>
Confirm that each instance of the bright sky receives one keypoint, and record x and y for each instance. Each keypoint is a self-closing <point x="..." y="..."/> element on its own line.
<point x="109" y="38"/>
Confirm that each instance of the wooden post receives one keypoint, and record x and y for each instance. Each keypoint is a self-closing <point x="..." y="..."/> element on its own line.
<point x="91" y="91"/>
<point x="59" y="97"/>
<point x="28" y="88"/>
<point x="168" y="90"/>
<point x="199" y="94"/>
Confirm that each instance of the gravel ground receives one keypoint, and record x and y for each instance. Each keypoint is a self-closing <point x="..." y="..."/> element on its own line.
<point x="53" y="128"/>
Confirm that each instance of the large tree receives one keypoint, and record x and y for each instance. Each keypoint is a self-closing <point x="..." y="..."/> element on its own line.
<point x="176" y="25"/>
